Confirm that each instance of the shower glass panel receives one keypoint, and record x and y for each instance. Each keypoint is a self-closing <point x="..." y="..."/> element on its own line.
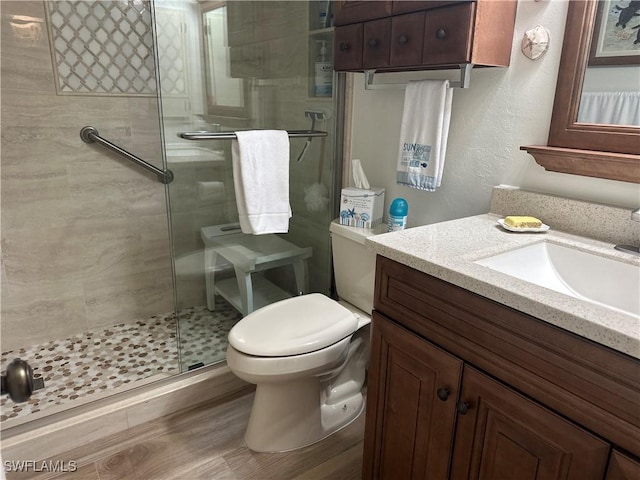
<point x="87" y="290"/>
<point x="227" y="66"/>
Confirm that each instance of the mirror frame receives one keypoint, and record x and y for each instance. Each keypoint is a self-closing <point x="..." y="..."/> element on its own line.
<point x="595" y="150"/>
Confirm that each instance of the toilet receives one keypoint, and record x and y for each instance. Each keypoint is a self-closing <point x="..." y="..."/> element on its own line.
<point x="308" y="355"/>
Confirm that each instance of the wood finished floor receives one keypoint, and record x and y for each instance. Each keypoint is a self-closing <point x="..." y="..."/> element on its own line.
<point x="206" y="442"/>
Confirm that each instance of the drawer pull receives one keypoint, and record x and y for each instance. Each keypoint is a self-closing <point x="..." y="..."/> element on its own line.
<point x="443" y="394"/>
<point x="344" y="47"/>
<point x="402" y="39"/>
<point x="373" y="43"/>
<point x="462" y="407"/>
<point x="440" y="34"/>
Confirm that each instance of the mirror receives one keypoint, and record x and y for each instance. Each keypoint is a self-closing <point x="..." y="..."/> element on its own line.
<point x="610" y="92"/>
<point x="225" y="95"/>
<point x="593" y="149"/>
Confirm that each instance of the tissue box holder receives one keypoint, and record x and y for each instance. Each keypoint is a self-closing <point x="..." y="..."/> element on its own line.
<point x="361" y="208"/>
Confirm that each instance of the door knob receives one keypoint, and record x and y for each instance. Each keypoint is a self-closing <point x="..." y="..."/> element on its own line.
<point x="402" y="39"/>
<point x="344" y="47"/>
<point x="373" y="43"/>
<point x="18" y="381"/>
<point x="440" y="34"/>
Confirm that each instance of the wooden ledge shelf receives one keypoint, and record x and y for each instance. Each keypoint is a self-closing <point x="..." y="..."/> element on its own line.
<point x="614" y="166"/>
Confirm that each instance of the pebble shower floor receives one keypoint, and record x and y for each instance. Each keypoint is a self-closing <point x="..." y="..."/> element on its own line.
<point x="106" y="358"/>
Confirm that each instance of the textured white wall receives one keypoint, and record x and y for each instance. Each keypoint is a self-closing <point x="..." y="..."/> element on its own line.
<point x="503" y="109"/>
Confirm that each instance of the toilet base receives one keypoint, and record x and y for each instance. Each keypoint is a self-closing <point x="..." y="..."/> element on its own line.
<point x="295" y="417"/>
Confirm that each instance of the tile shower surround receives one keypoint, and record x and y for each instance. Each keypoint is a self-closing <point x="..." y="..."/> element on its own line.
<point x="105" y="256"/>
<point x="99" y="360"/>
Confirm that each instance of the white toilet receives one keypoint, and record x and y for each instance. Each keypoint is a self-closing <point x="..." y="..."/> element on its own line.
<point x="308" y="355"/>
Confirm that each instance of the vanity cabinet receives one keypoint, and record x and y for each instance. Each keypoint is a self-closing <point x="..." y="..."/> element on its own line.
<point x="461" y="387"/>
<point x="421" y="35"/>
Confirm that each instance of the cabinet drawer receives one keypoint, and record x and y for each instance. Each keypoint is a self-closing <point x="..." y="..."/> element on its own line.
<point x="376" y="43"/>
<point x="352" y="11"/>
<point x="407" y="32"/>
<point x="448" y="35"/>
<point x="347" y="52"/>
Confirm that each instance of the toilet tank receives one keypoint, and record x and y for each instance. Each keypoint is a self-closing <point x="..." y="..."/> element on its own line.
<point x="353" y="264"/>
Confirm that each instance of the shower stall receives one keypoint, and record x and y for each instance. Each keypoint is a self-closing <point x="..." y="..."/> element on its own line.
<point x="110" y="278"/>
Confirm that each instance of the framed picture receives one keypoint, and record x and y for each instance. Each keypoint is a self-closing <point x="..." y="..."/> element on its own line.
<point x="616" y="33"/>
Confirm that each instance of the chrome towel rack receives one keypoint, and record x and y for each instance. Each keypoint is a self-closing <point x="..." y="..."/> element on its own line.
<point x="465" y="77"/>
<point x="90" y="134"/>
<point x="232" y="135"/>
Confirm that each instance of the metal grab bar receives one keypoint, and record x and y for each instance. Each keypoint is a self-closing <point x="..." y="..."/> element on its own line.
<point x="232" y="135"/>
<point x="90" y="134"/>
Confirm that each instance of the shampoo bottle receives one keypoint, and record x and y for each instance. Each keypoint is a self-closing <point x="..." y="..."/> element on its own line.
<point x="324" y="72"/>
<point x="398" y="214"/>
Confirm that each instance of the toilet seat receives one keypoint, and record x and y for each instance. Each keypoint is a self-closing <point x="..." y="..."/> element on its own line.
<point x="294" y="326"/>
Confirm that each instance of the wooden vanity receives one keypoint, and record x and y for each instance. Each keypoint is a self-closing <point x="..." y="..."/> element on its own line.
<point x="464" y="387"/>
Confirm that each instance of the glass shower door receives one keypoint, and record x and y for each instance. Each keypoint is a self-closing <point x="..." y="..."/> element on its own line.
<point x="227" y="66"/>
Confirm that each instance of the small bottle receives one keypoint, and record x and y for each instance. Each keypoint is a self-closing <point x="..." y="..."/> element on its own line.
<point x="324" y="14"/>
<point x="323" y="72"/>
<point x="398" y="214"/>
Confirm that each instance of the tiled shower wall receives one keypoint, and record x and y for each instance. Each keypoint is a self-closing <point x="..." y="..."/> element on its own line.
<point x="84" y="234"/>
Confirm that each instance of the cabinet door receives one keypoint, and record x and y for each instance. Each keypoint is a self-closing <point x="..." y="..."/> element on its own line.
<point x="504" y="435"/>
<point x="447" y="35"/>
<point x="412" y="390"/>
<point x="347" y="52"/>
<point x="352" y="11"/>
<point x="376" y="42"/>
<point x="622" y="467"/>
<point x="406" y="39"/>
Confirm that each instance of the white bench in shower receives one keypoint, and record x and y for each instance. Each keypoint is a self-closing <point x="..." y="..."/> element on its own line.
<point x="249" y="254"/>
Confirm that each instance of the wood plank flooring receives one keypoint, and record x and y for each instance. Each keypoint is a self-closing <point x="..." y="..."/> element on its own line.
<point x="206" y="442"/>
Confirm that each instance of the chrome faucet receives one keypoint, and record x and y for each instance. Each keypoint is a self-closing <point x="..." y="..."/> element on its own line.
<point x="635" y="250"/>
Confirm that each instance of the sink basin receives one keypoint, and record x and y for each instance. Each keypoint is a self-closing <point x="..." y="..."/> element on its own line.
<point x="601" y="280"/>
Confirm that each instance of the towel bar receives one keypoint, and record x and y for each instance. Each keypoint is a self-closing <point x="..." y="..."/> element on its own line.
<point x="465" y="76"/>
<point x="232" y="135"/>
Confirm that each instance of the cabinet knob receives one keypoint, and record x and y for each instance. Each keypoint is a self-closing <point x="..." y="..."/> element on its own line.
<point x="373" y="43"/>
<point x="344" y="47"/>
<point x="402" y="39"/>
<point x="440" y="34"/>
<point x="443" y="394"/>
<point x="462" y="407"/>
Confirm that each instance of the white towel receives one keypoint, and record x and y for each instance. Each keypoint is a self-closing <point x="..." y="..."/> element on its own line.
<point x="423" y="134"/>
<point x="260" y="161"/>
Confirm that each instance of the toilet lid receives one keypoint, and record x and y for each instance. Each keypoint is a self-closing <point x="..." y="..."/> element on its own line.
<point x="294" y="326"/>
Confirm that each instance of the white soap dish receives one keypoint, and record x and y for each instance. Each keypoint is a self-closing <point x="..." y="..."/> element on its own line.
<point x="542" y="228"/>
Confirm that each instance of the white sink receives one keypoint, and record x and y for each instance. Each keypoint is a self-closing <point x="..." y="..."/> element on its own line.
<point x="601" y="280"/>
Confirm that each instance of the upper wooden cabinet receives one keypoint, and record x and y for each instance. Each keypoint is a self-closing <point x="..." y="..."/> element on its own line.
<point x="414" y="35"/>
<point x="353" y="11"/>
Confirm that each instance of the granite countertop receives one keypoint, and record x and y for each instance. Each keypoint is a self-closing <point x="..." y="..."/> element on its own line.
<point x="449" y="249"/>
